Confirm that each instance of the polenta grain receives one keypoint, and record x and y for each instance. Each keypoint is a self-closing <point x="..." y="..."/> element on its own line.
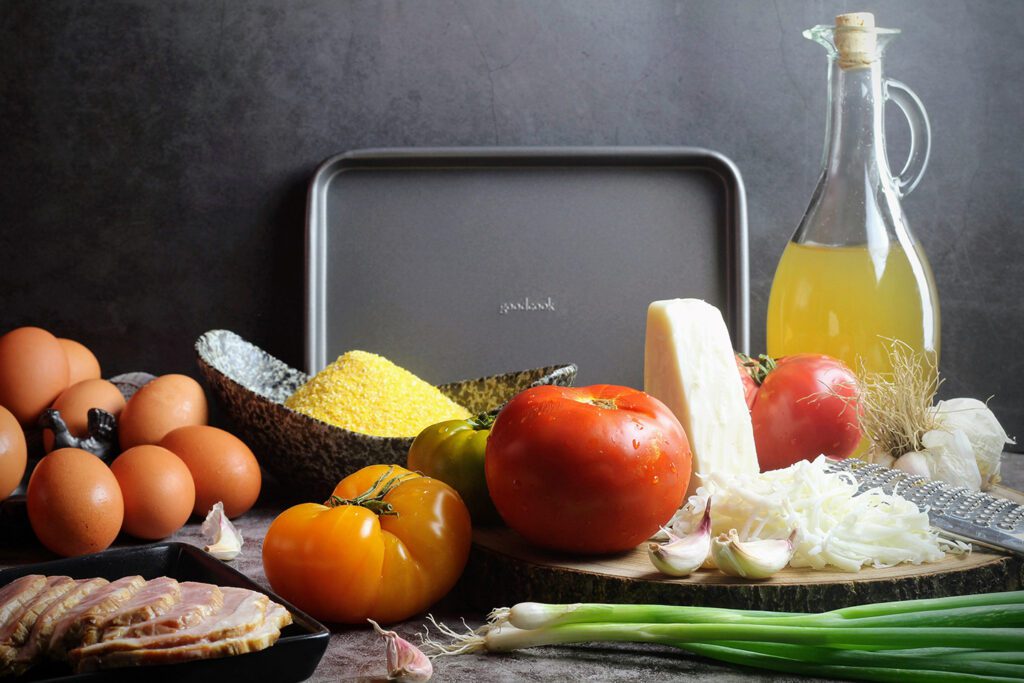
<point x="366" y="393"/>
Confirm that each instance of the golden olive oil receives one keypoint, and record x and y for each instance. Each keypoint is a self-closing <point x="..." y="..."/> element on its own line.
<point x="847" y="301"/>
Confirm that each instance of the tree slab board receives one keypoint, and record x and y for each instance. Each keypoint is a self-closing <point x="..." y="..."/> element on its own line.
<point x="503" y="569"/>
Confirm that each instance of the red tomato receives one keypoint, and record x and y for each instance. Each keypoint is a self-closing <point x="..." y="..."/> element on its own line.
<point x="588" y="470"/>
<point x="805" y="407"/>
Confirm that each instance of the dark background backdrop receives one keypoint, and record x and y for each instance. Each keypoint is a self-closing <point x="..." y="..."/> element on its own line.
<point x="154" y="156"/>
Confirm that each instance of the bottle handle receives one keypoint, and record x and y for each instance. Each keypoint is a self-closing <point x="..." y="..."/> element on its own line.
<point x="920" y="134"/>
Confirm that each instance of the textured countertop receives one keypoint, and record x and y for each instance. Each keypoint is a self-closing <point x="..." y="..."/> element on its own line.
<point x="357" y="654"/>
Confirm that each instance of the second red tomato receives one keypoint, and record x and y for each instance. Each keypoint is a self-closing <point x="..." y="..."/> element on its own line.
<point x="805" y="407"/>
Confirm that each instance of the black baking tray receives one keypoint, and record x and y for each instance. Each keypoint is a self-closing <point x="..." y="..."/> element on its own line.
<point x="293" y="657"/>
<point x="466" y="262"/>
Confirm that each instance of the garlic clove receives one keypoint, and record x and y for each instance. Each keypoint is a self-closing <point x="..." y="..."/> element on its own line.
<point x="683" y="555"/>
<point x="914" y="462"/>
<point x="224" y="541"/>
<point x="751" y="559"/>
<point x="405" y="661"/>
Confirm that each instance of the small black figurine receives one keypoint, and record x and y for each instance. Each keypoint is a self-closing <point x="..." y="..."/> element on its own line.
<point x="102" y="438"/>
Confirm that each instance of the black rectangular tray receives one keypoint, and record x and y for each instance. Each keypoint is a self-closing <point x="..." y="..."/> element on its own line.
<point x="466" y="262"/>
<point x="293" y="658"/>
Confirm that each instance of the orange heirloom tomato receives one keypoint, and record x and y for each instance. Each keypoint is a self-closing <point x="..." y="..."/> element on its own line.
<point x="387" y="545"/>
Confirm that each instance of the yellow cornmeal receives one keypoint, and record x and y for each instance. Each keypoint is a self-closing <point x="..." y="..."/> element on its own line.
<point x="366" y="393"/>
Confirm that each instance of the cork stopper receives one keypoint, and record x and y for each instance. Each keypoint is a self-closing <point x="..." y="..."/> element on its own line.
<point x="857" y="49"/>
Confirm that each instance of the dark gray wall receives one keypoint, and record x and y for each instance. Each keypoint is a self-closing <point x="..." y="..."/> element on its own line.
<point x="154" y="155"/>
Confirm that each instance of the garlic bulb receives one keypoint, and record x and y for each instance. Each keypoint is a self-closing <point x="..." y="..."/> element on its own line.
<point x="224" y="541"/>
<point x="405" y="661"/>
<point x="981" y="428"/>
<point x="683" y="555"/>
<point x="751" y="559"/>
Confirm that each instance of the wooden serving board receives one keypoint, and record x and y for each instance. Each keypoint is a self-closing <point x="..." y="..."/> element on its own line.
<point x="504" y="569"/>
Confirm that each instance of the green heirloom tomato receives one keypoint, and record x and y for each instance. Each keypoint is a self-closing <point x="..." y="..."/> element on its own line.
<point x="453" y="451"/>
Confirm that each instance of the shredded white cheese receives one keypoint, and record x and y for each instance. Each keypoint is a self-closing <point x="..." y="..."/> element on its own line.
<point x="835" y="526"/>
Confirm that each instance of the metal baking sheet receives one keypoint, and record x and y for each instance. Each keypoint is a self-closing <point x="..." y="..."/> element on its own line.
<point x="466" y="262"/>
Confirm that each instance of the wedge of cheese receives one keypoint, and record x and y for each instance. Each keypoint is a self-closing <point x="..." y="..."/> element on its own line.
<point x="690" y="367"/>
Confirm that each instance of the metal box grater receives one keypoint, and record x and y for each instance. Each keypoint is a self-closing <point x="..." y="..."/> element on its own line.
<point x="960" y="513"/>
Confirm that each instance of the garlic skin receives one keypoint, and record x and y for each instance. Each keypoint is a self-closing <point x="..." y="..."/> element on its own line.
<point x="683" y="555"/>
<point x="224" y="541"/>
<point x="405" y="661"/>
<point x="945" y="456"/>
<point x="986" y="436"/>
<point x="914" y="462"/>
<point x="751" y="559"/>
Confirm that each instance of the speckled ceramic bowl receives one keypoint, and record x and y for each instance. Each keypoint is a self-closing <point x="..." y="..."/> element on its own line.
<point x="309" y="456"/>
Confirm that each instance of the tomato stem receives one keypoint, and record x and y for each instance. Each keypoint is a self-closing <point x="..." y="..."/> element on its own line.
<point x="372" y="499"/>
<point x="758" y="368"/>
<point x="482" y="421"/>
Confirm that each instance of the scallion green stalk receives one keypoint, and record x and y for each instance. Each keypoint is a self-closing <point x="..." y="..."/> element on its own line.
<point x="862" y="673"/>
<point x="919" y="660"/>
<point x="929" y="604"/>
<point x="870" y="638"/>
<point x="531" y="615"/>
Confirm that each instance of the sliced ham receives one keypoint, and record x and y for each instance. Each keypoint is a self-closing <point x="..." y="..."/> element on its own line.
<point x="38" y="640"/>
<point x="243" y="611"/>
<point x="16" y="631"/>
<point x="259" y="638"/>
<point x="196" y="602"/>
<point x="67" y="632"/>
<point x="154" y="599"/>
<point x="95" y="624"/>
<point x="18" y="593"/>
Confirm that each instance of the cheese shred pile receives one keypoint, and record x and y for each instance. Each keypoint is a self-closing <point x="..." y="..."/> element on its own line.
<point x="366" y="393"/>
<point x="835" y="526"/>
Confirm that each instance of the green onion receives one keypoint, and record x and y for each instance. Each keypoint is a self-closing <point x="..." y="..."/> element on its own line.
<point x="964" y="638"/>
<point x="862" y="673"/>
<point x="528" y="615"/>
<point x="531" y="615"/>
<point x="869" y="638"/>
<point x="888" y="659"/>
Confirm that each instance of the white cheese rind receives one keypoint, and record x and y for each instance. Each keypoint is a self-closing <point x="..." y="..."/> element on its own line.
<point x="690" y="367"/>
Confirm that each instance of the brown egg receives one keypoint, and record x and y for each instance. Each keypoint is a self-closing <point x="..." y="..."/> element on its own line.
<point x="223" y="468"/>
<point x="74" y="404"/>
<point x="158" y="491"/>
<point x="12" y="453"/>
<point x="33" y="372"/>
<point x="82" y="364"/>
<point x="164" y="404"/>
<point x="74" y="502"/>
